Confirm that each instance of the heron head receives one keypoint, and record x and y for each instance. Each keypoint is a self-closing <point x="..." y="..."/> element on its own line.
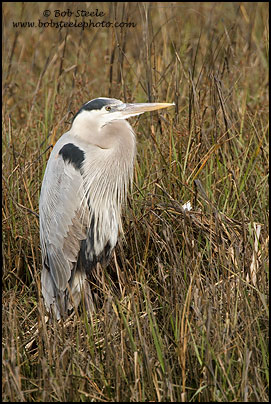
<point x="101" y="111"/>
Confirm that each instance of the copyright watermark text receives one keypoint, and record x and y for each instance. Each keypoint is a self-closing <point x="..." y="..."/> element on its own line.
<point x="76" y="19"/>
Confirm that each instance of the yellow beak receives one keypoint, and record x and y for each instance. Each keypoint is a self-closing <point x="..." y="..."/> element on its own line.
<point x="140" y="108"/>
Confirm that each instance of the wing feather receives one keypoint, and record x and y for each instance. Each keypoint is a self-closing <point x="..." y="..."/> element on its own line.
<point x="64" y="217"/>
<point x="79" y="219"/>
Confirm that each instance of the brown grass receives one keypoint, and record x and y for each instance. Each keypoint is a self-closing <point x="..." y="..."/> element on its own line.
<point x="184" y="313"/>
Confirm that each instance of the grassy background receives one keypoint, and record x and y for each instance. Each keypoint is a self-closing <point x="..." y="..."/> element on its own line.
<point x="184" y="313"/>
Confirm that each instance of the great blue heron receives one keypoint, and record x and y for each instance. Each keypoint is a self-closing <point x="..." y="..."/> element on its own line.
<point x="84" y="185"/>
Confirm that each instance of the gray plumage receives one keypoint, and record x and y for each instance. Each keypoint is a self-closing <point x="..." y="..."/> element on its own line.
<point x="84" y="186"/>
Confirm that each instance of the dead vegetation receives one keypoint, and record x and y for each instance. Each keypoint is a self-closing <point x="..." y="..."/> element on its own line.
<point x="183" y="306"/>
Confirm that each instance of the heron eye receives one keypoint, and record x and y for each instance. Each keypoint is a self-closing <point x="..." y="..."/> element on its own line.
<point x="108" y="108"/>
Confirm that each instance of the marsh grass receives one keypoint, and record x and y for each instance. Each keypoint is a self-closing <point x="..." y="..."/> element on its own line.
<point x="184" y="301"/>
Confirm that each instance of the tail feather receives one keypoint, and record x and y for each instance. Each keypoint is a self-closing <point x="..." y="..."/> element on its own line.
<point x="60" y="303"/>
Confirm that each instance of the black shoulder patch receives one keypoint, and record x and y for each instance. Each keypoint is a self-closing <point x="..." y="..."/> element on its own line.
<point x="72" y="154"/>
